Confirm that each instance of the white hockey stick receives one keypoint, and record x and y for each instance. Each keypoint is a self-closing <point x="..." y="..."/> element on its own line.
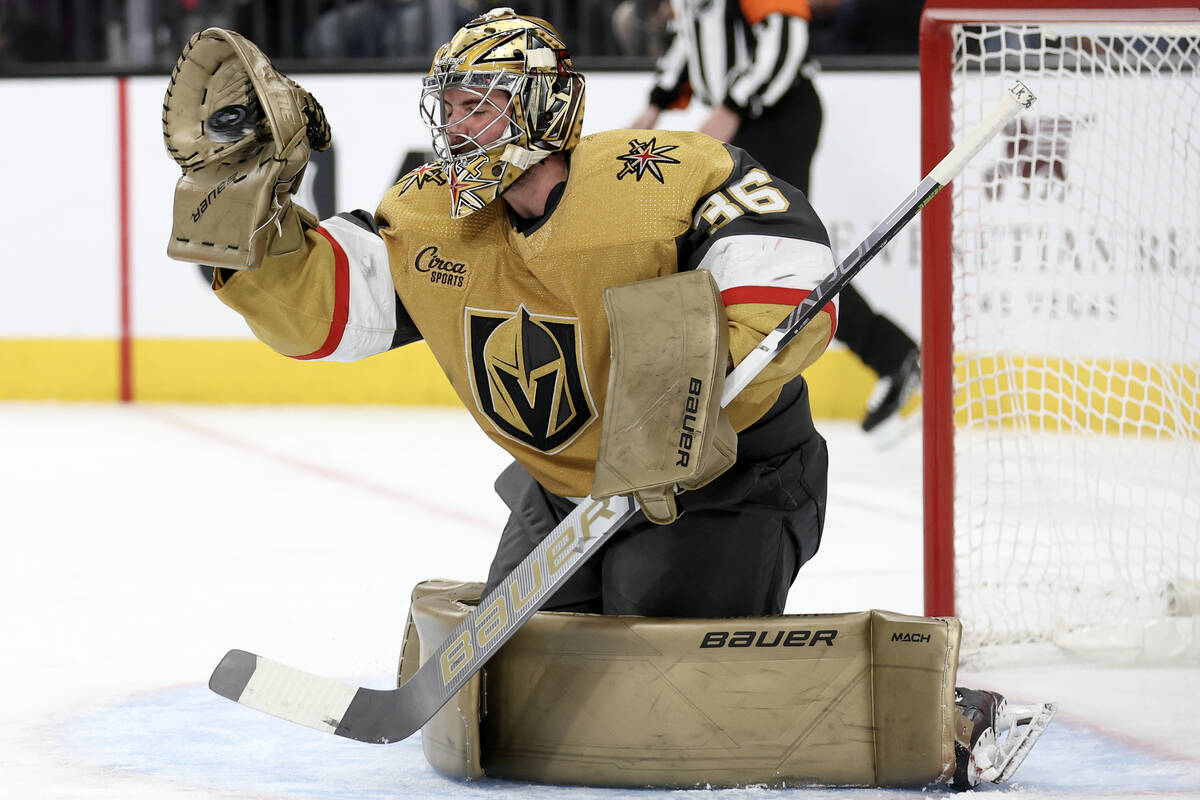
<point x="377" y="715"/>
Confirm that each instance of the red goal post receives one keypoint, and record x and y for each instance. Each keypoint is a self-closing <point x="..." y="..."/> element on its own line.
<point x="964" y="43"/>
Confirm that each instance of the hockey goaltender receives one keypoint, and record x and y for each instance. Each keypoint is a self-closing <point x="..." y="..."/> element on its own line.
<point x="586" y="298"/>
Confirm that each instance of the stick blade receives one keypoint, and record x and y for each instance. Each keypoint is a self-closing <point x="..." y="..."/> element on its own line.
<point x="282" y="691"/>
<point x="230" y="677"/>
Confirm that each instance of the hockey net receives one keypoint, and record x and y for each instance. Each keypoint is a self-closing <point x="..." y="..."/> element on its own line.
<point x="1061" y="351"/>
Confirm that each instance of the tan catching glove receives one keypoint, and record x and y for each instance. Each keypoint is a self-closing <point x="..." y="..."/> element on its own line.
<point x="663" y="424"/>
<point x="242" y="133"/>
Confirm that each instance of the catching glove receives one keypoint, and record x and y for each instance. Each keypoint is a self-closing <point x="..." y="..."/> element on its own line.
<point x="241" y="132"/>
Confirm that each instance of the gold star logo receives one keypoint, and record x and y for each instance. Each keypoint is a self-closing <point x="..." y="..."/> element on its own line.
<point x="426" y="173"/>
<point x="645" y="157"/>
<point x="466" y="183"/>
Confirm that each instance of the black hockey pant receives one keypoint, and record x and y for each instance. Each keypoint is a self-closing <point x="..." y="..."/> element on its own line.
<point x="734" y="551"/>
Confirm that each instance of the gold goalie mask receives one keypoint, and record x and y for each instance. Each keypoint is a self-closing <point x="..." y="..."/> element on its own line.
<point x="500" y="97"/>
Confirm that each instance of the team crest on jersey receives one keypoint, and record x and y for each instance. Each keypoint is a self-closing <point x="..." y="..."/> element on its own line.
<point x="465" y="183"/>
<point x="527" y="376"/>
<point x="422" y="175"/>
<point x="645" y="158"/>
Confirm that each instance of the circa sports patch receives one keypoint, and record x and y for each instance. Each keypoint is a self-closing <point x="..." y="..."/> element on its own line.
<point x="527" y="376"/>
<point x="441" y="268"/>
<point x="645" y="158"/>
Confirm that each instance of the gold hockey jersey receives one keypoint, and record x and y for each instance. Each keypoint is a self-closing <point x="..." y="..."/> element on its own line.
<point x="516" y="319"/>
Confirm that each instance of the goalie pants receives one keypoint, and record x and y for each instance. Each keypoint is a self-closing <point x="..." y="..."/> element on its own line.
<point x="877" y="341"/>
<point x="734" y="551"/>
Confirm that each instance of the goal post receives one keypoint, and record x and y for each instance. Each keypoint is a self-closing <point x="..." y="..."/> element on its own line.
<point x="1061" y="327"/>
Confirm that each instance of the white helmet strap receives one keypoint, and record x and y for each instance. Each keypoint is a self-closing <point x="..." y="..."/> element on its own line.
<point x="522" y="158"/>
<point x="541" y="57"/>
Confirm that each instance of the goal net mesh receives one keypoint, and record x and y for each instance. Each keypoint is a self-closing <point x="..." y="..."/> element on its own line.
<point x="1076" y="319"/>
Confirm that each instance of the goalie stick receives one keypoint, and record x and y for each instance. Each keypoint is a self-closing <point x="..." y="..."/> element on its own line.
<point x="381" y="716"/>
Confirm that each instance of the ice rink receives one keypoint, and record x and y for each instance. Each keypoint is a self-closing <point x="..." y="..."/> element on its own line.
<point x="143" y="541"/>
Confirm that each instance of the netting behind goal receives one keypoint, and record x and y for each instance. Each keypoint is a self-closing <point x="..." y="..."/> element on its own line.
<point x="1062" y="334"/>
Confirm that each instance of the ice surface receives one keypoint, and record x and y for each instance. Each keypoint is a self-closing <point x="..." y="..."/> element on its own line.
<point x="142" y="542"/>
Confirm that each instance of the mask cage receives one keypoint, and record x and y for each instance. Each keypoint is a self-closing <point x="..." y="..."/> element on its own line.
<point x="488" y="87"/>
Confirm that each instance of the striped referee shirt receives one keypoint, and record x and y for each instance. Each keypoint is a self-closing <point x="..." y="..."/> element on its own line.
<point x="744" y="54"/>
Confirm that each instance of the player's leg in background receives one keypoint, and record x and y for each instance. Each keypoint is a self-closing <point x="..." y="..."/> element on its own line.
<point x="884" y="348"/>
<point x="784" y="139"/>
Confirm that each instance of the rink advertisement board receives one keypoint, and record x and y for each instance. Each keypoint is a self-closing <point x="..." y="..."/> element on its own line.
<point x="82" y="274"/>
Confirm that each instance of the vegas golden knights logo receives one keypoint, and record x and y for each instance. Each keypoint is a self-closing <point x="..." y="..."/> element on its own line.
<point x="527" y="376"/>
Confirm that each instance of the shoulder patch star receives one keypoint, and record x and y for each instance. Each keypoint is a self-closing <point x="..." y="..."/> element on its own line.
<point x="645" y="157"/>
<point x="426" y="173"/>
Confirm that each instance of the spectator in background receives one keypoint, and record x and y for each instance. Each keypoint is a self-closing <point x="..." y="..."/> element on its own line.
<point x="875" y="27"/>
<point x="640" y="27"/>
<point x="377" y="28"/>
<point x="28" y="34"/>
<point x="366" y="29"/>
<point x="743" y="60"/>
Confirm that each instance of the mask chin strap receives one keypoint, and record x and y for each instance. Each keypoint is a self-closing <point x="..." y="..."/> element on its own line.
<point x="522" y="158"/>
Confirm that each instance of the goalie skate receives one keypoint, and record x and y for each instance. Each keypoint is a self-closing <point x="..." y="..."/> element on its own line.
<point x="998" y="736"/>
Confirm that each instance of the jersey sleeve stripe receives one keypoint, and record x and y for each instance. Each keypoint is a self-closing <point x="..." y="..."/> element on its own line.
<point x="371" y="317"/>
<point x="774" y="295"/>
<point x="341" y="301"/>
<point x="766" y="260"/>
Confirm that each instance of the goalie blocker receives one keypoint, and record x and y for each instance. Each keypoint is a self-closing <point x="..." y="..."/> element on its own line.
<point x="664" y="428"/>
<point x="839" y="699"/>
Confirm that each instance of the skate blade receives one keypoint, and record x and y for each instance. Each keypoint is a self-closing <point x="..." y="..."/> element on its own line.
<point x="1022" y="726"/>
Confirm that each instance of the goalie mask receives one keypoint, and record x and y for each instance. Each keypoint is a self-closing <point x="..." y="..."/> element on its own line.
<point x="500" y="97"/>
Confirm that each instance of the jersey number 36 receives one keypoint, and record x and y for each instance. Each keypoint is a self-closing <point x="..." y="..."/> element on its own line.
<point x="752" y="193"/>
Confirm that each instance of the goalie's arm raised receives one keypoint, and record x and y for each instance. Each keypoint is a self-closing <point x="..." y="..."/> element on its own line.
<point x="241" y="133"/>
